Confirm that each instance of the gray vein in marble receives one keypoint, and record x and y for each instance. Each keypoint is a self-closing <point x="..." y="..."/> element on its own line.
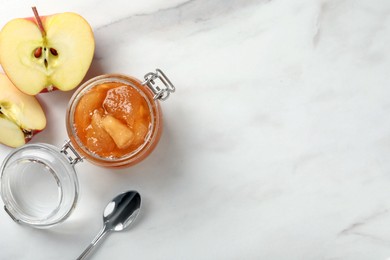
<point x="197" y="11"/>
<point x="317" y="33"/>
<point x="352" y="229"/>
<point x="372" y="238"/>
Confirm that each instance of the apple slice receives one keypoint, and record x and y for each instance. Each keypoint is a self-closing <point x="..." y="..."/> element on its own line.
<point x="21" y="115"/>
<point x="57" y="55"/>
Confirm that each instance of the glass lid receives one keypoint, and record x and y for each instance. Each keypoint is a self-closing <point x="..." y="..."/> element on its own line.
<point x="39" y="186"/>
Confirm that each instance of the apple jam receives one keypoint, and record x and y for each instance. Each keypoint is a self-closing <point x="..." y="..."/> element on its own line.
<point x="114" y="120"/>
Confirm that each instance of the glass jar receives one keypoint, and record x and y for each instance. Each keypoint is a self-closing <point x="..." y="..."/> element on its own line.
<point x="39" y="185"/>
<point x="154" y="130"/>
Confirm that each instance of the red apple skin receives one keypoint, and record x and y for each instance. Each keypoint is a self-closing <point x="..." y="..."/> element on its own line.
<point x="32" y="19"/>
<point x="45" y="90"/>
<point x="33" y="133"/>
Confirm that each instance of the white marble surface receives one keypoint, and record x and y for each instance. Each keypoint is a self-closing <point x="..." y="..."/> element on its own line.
<point x="276" y="143"/>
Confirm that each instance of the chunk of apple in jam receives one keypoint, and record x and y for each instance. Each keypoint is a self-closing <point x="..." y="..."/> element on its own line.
<point x="140" y="130"/>
<point x="123" y="102"/>
<point x="90" y="102"/>
<point x="143" y="112"/>
<point x="119" y="132"/>
<point x="98" y="140"/>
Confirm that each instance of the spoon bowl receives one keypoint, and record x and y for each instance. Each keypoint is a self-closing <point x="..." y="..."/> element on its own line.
<point x="122" y="211"/>
<point x="119" y="213"/>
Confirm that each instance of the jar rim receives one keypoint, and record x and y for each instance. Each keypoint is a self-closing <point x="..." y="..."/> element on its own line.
<point x="150" y="138"/>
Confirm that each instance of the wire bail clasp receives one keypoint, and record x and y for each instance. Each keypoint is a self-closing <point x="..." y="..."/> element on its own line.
<point x="159" y="84"/>
<point x="70" y="153"/>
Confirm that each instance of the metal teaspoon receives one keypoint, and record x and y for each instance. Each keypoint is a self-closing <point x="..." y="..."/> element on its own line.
<point x="117" y="216"/>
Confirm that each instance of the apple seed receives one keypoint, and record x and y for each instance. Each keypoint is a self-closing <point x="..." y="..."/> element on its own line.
<point x="38" y="52"/>
<point x="53" y="51"/>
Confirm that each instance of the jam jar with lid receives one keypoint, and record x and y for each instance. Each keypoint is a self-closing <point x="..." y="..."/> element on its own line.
<point x="112" y="120"/>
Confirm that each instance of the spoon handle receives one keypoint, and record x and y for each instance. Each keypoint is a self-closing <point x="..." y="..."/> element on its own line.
<point x="88" y="250"/>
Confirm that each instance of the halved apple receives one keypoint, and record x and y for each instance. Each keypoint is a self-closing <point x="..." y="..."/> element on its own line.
<point x="21" y="115"/>
<point x="58" y="58"/>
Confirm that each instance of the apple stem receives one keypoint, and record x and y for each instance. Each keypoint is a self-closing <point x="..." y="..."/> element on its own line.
<point x="39" y="21"/>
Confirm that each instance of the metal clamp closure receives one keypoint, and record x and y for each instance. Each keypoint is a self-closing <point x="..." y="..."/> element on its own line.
<point x="159" y="84"/>
<point x="70" y="153"/>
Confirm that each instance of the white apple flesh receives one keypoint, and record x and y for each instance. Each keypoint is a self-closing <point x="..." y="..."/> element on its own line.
<point x="59" y="59"/>
<point x="21" y="115"/>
